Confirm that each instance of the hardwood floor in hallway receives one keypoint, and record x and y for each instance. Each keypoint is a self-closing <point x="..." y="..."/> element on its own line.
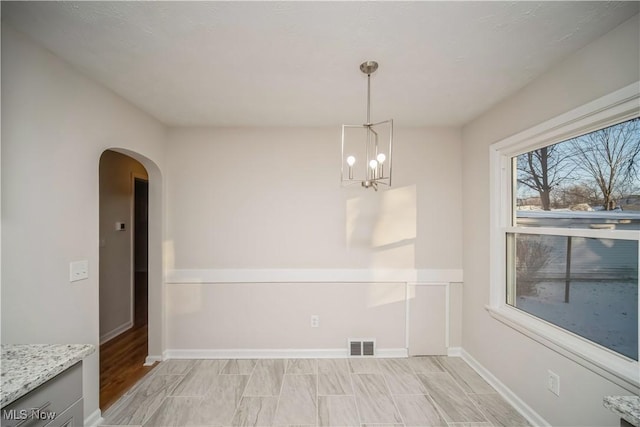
<point x="121" y="364"/>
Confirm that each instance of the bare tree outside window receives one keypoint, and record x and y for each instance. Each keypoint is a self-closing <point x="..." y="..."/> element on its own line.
<point x="544" y="169"/>
<point x="611" y="158"/>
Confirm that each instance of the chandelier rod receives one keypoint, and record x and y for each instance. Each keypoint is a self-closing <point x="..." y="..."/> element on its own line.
<point x="369" y="67"/>
<point x="368" y="99"/>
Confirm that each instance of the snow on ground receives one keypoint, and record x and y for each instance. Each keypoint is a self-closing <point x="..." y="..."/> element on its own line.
<point x="604" y="312"/>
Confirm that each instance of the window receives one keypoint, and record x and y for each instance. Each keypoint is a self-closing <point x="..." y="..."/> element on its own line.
<point x="566" y="234"/>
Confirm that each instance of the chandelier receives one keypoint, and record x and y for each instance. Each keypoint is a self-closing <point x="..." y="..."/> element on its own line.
<point x="366" y="148"/>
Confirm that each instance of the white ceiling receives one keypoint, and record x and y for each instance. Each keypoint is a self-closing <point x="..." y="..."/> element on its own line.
<point x="296" y="63"/>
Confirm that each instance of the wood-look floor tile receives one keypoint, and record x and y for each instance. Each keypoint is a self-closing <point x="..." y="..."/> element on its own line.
<point x="405" y="384"/>
<point x="471" y="425"/>
<point x="381" y="425"/>
<point x="209" y="365"/>
<point x="425" y="364"/>
<point x="414" y="391"/>
<point x="419" y="410"/>
<point x="152" y="384"/>
<point x="364" y="366"/>
<point x="298" y="400"/>
<point x="326" y="366"/>
<point x="498" y="411"/>
<point x="370" y="385"/>
<point x="337" y="411"/>
<point x="378" y="410"/>
<point x="302" y="366"/>
<point x="219" y="405"/>
<point x="373" y="399"/>
<point x="139" y="383"/>
<point x="450" y="398"/>
<point x="129" y="411"/>
<point x="334" y="377"/>
<point x="228" y="386"/>
<point x="299" y="385"/>
<point x="175" y="412"/>
<point x="137" y="407"/>
<point x="173" y="367"/>
<point x="266" y="379"/>
<point x="238" y="367"/>
<point x="195" y="383"/>
<point x="395" y="366"/>
<point x="255" y="411"/>
<point x="334" y="383"/>
<point x="464" y="375"/>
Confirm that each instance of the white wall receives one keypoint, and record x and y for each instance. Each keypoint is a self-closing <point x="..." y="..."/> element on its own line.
<point x="242" y="201"/>
<point x="276" y="316"/>
<point x="117" y="173"/>
<point x="605" y="65"/>
<point x="55" y="125"/>
<point x="271" y="198"/>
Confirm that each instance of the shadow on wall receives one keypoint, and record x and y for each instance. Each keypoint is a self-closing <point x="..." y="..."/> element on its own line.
<point x="384" y="224"/>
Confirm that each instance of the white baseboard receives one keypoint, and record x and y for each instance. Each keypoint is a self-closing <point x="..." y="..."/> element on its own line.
<point x="454" y="351"/>
<point x="525" y="410"/>
<point x="392" y="352"/>
<point x="115" y="332"/>
<point x="94" y="419"/>
<point x="150" y="360"/>
<point x="334" y="353"/>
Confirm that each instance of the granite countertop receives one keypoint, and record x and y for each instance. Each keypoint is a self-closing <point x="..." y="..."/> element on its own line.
<point x="627" y="407"/>
<point x="24" y="367"/>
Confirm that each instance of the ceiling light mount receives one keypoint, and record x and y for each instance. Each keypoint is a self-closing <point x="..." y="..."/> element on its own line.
<point x="369" y="67"/>
<point x="370" y="142"/>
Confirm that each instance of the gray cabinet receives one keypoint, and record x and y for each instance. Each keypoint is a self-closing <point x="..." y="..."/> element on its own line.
<point x="56" y="403"/>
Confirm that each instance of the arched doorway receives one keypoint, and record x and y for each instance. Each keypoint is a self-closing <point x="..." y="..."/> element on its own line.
<point x="130" y="271"/>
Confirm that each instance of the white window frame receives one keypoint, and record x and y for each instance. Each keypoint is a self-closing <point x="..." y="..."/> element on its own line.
<point x="617" y="107"/>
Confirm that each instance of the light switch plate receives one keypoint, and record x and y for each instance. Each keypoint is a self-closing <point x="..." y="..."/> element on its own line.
<point x="78" y="270"/>
<point x="553" y="382"/>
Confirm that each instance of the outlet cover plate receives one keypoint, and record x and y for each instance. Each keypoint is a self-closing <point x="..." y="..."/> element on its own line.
<point x="78" y="270"/>
<point x="315" y="321"/>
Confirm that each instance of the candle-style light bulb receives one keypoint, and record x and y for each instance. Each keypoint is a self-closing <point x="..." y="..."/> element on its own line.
<point x="381" y="158"/>
<point x="351" y="161"/>
<point x="373" y="164"/>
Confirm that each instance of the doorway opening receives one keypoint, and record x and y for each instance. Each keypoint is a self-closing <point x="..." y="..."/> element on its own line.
<point x="124" y="274"/>
<point x="141" y="252"/>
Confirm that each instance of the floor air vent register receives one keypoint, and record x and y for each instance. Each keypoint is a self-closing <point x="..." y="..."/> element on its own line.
<point x="362" y="347"/>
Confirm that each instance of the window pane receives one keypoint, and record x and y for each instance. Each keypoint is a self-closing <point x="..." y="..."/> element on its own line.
<point x="584" y="285"/>
<point x="591" y="181"/>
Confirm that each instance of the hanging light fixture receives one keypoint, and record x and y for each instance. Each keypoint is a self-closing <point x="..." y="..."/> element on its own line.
<point x="366" y="148"/>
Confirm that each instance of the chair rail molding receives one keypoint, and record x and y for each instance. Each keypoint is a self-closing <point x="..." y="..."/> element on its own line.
<point x="178" y="276"/>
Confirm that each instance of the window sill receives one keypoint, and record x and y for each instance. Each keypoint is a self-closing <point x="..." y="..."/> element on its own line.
<point x="616" y="368"/>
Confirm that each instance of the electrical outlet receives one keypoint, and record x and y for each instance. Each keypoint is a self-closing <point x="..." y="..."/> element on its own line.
<point x="78" y="270"/>
<point x="553" y="383"/>
<point x="315" y="321"/>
